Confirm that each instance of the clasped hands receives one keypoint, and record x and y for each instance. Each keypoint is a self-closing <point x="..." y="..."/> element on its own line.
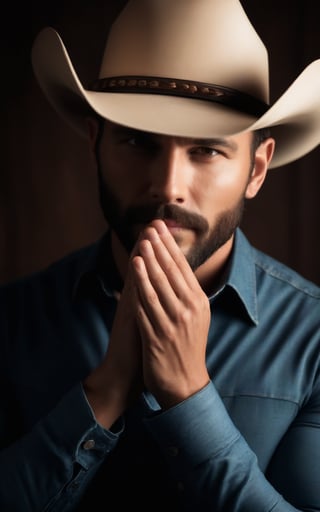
<point x="159" y="335"/>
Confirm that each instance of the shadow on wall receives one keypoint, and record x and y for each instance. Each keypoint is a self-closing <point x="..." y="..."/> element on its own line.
<point x="49" y="201"/>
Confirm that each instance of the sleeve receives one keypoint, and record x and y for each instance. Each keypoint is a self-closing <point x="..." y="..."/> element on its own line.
<point x="215" y="470"/>
<point x="295" y="466"/>
<point x="70" y="443"/>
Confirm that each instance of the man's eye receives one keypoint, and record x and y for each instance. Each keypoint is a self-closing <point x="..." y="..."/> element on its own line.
<point x="133" y="141"/>
<point x="139" y="141"/>
<point x="205" y="151"/>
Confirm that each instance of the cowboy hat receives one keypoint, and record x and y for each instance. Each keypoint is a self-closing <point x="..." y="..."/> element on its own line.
<point x="186" y="68"/>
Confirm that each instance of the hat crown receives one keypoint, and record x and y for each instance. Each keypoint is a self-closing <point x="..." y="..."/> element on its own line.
<point x="210" y="41"/>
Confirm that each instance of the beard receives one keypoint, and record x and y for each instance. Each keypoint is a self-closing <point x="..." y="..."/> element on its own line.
<point x="127" y="224"/>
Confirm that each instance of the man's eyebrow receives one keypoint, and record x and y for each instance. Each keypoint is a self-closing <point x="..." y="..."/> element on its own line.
<point x="119" y="130"/>
<point x="217" y="141"/>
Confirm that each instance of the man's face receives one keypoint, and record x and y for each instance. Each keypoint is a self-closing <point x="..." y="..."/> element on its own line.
<point x="197" y="186"/>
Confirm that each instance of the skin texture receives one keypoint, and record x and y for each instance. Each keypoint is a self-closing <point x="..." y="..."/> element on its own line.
<point x="172" y="205"/>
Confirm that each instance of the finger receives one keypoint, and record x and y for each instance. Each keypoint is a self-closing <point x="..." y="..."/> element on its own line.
<point x="155" y="290"/>
<point x="171" y="260"/>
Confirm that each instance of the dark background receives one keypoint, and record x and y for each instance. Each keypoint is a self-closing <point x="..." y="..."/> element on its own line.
<point x="49" y="203"/>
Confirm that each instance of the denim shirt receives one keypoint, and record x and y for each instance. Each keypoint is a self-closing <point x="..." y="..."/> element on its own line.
<point x="248" y="442"/>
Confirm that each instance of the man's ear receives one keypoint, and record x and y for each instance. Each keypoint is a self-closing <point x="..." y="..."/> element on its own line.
<point x="261" y="162"/>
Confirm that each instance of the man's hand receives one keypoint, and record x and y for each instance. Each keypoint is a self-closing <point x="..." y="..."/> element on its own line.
<point x="117" y="382"/>
<point x="173" y="317"/>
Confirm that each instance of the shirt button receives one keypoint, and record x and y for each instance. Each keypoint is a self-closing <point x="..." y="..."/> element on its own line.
<point x="88" y="445"/>
<point x="173" y="451"/>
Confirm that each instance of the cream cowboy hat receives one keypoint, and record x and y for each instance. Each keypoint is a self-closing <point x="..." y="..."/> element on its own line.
<point x="193" y="68"/>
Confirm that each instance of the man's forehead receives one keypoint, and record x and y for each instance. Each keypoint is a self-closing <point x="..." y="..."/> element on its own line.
<point x="230" y="141"/>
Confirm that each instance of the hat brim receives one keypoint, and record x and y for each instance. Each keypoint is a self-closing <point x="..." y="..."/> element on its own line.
<point x="294" y="117"/>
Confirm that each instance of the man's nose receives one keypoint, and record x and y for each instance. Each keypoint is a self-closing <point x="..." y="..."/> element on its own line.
<point x="169" y="176"/>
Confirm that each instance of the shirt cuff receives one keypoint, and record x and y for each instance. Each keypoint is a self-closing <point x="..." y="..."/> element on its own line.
<point x="194" y="430"/>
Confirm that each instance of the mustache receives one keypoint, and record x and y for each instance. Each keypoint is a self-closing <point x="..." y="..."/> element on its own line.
<point x="146" y="213"/>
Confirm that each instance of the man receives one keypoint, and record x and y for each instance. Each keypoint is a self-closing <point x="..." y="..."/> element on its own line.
<point x="170" y="364"/>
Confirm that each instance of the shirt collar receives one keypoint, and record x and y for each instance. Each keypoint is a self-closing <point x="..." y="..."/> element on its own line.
<point x="242" y="276"/>
<point x="98" y="270"/>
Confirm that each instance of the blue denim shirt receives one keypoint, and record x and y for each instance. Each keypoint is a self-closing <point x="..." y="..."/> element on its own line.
<point x="248" y="442"/>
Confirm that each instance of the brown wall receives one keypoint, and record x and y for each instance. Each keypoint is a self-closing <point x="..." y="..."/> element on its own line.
<point x="48" y="202"/>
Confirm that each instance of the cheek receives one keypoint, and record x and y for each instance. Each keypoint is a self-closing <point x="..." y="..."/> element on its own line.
<point x="222" y="190"/>
<point x="117" y="177"/>
<point x="122" y="171"/>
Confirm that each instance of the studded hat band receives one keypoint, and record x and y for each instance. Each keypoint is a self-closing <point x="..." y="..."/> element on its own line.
<point x="184" y="88"/>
